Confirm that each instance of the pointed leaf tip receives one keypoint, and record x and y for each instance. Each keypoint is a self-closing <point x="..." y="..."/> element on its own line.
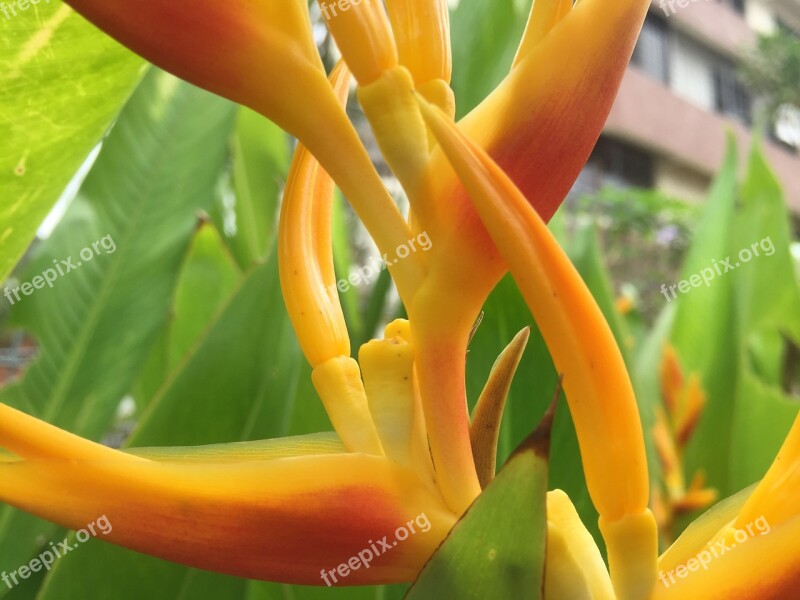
<point x="488" y="416"/>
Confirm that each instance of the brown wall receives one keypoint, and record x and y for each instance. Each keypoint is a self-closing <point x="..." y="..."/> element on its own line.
<point x="711" y="22"/>
<point x="649" y="115"/>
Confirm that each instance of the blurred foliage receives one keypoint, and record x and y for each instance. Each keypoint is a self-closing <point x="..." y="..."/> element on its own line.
<point x="772" y="69"/>
<point x="644" y="234"/>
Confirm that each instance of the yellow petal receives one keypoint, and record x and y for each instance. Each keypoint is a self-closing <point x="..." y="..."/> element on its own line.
<point x="777" y="497"/>
<point x="441" y="345"/>
<point x="392" y="111"/>
<point x="693" y="403"/>
<point x="543" y="120"/>
<point x="422" y="32"/>
<point x="632" y="544"/>
<point x="363" y="33"/>
<point x="219" y="46"/>
<point x="671" y="374"/>
<point x="574" y="568"/>
<point x="763" y="567"/>
<point x="27" y="437"/>
<point x="388" y="368"/>
<point x="540" y="126"/>
<point x="262" y="54"/>
<point x="305" y="252"/>
<point x="702" y="529"/>
<point x="667" y="453"/>
<point x="697" y="496"/>
<point x="338" y="383"/>
<point x="545" y="14"/>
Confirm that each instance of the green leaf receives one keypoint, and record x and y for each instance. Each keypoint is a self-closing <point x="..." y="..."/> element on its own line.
<point x="767" y="299"/>
<point x="485" y="39"/>
<point x="586" y="255"/>
<point x="208" y="277"/>
<point x="726" y="330"/>
<point x="236" y="381"/>
<point x="123" y="575"/>
<point x="98" y="322"/>
<point x="497" y="549"/>
<point x="62" y="82"/>
<point x="763" y="417"/>
<point x="767" y="291"/>
<point x="645" y="375"/>
<point x="261" y="155"/>
<point x="207" y="280"/>
<point x="705" y="333"/>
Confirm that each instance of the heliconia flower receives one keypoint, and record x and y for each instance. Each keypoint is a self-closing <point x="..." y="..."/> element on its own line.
<point x="715" y="556"/>
<point x="607" y="424"/>
<point x="404" y="450"/>
<point x="684" y="400"/>
<point x="601" y="400"/>
<point x="563" y="83"/>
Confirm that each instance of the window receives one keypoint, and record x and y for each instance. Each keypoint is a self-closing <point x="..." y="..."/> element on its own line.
<point x="652" y="51"/>
<point x="786" y="128"/>
<point x="621" y="164"/>
<point x="737" y="5"/>
<point x="731" y="96"/>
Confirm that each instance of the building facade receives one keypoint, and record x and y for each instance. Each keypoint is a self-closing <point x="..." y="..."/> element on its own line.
<point x="683" y="92"/>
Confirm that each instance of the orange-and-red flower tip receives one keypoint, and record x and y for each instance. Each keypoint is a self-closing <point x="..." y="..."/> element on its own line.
<point x="281" y="510"/>
<point x="715" y="556"/>
<point x="539" y="125"/>
<point x="544" y="118"/>
<point x="219" y="46"/>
